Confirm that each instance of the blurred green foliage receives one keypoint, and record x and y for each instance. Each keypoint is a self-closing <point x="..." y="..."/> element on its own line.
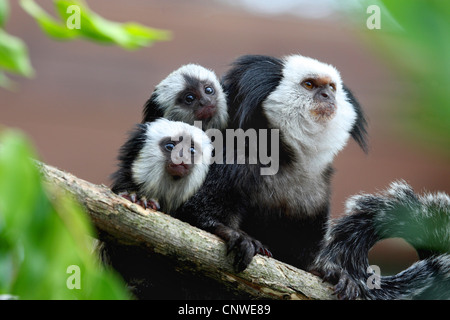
<point x="4" y="12"/>
<point x="13" y="51"/>
<point x="92" y="26"/>
<point x="45" y="248"/>
<point x="14" y="55"/>
<point x="414" y="39"/>
<point x="89" y="25"/>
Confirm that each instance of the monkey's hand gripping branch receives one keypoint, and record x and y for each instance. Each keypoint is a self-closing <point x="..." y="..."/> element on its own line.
<point x="127" y="222"/>
<point x="143" y="202"/>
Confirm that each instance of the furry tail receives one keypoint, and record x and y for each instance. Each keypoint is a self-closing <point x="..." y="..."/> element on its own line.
<point x="423" y="221"/>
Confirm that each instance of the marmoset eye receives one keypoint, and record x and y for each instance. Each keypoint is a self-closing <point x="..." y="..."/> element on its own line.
<point x="169" y="146"/>
<point x="189" y="98"/>
<point x="308" y="84"/>
<point x="209" y="90"/>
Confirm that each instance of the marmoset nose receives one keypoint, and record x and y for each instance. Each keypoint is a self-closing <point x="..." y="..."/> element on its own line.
<point x="325" y="95"/>
<point x="205" y="101"/>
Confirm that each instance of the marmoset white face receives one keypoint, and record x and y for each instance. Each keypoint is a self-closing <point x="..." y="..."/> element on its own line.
<point x="173" y="161"/>
<point x="312" y="108"/>
<point x="190" y="93"/>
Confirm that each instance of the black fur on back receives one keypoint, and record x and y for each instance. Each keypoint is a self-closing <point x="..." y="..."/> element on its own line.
<point x="248" y="83"/>
<point x="359" y="131"/>
<point x="152" y="111"/>
<point x="122" y="178"/>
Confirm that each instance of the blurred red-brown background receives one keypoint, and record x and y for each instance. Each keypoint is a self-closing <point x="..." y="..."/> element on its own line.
<point x="85" y="97"/>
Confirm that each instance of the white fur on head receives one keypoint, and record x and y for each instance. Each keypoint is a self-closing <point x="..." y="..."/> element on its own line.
<point x="149" y="168"/>
<point x="288" y="107"/>
<point x="168" y="90"/>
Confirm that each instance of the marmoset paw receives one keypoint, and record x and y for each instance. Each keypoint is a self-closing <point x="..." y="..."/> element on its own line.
<point x="152" y="204"/>
<point x="347" y="288"/>
<point x="245" y="248"/>
<point x="327" y="275"/>
<point x="264" y="251"/>
<point x="142" y="201"/>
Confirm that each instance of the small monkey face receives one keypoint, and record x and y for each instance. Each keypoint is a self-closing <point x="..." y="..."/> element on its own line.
<point x="199" y="97"/>
<point x="322" y="91"/>
<point x="189" y="94"/>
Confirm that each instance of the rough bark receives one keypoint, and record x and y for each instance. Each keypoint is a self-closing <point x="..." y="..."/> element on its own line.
<point x="192" y="248"/>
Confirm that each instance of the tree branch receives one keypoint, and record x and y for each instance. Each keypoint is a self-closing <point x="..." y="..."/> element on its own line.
<point x="131" y="224"/>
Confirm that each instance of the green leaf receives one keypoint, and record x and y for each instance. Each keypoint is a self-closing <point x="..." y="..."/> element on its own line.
<point x="91" y="26"/>
<point x="14" y="55"/>
<point x="4" y="12"/>
<point x="47" y="23"/>
<point x="142" y="36"/>
<point x="41" y="240"/>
